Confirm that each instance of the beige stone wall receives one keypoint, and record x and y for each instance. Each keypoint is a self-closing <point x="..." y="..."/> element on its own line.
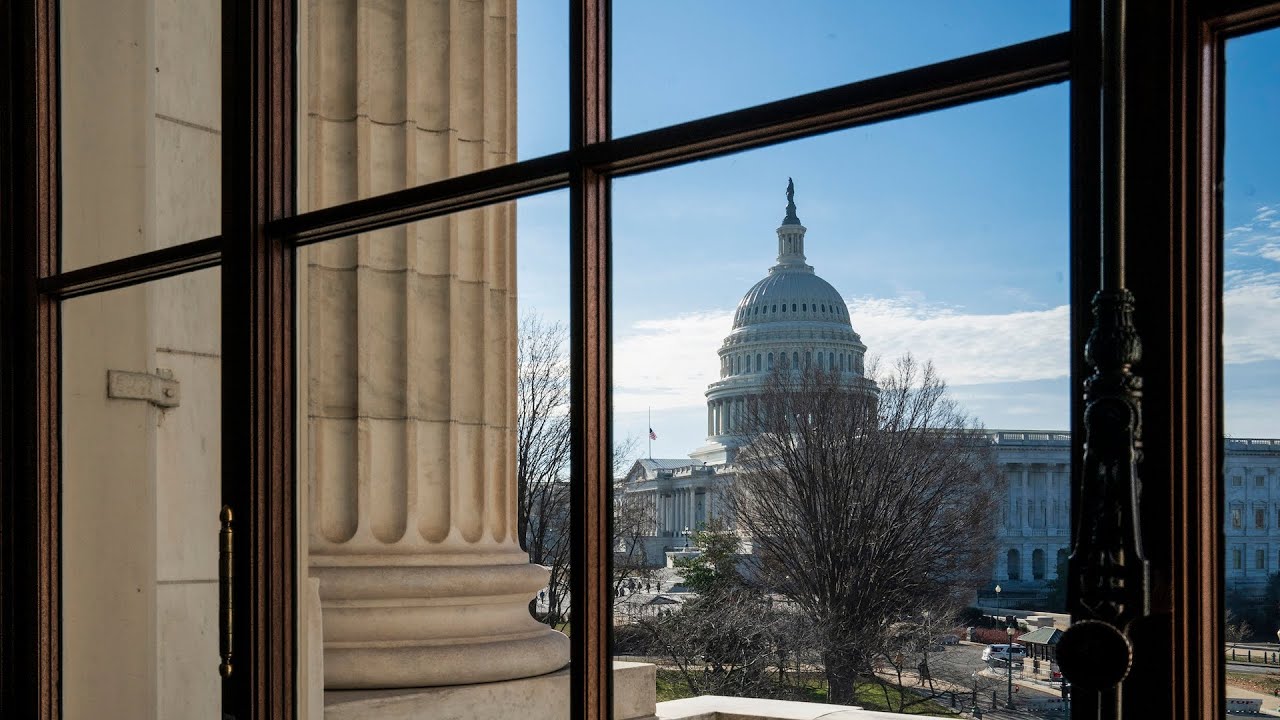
<point x="141" y="484"/>
<point x="409" y="359"/>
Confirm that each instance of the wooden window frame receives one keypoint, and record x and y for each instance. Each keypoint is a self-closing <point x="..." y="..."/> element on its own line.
<point x="1146" y="101"/>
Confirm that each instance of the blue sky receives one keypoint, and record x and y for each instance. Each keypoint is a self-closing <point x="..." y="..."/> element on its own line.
<point x="946" y="233"/>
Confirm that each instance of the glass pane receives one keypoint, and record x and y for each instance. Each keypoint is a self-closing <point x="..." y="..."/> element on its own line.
<point x="433" y="399"/>
<point x="812" y="515"/>
<point x="141" y="489"/>
<point x="675" y="61"/>
<point x="397" y="94"/>
<point x="141" y="126"/>
<point x="1251" y="364"/>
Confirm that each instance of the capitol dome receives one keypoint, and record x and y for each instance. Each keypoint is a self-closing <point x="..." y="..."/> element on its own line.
<point x="791" y="317"/>
<point x="790" y="295"/>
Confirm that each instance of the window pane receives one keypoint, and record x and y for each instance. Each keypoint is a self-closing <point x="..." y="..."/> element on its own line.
<point x="141" y="428"/>
<point x="676" y="61"/>
<point x="141" y="126"/>
<point x="1251" y="351"/>
<point x="760" y="326"/>
<point x="397" y="94"/>
<point x="429" y="389"/>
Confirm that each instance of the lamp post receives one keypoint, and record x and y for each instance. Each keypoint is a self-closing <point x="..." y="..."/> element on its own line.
<point x="1009" y="661"/>
<point x="997" y="599"/>
<point x="686" y="538"/>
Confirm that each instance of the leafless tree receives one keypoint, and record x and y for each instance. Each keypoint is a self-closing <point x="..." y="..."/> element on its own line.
<point x="729" y="637"/>
<point x="634" y="518"/>
<point x="542" y="469"/>
<point x="542" y="454"/>
<point x="866" y="506"/>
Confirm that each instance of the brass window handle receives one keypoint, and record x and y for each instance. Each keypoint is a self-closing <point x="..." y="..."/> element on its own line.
<point x="225" y="576"/>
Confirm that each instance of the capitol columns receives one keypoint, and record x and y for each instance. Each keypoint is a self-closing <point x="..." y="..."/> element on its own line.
<point x="410" y="355"/>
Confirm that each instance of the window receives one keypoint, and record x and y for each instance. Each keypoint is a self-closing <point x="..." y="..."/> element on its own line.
<point x="1236" y="559"/>
<point x="1236" y="522"/>
<point x="1013" y="565"/>
<point x="252" y="235"/>
<point x="1260" y="481"/>
<point x="1260" y="559"/>
<point x="1260" y="518"/>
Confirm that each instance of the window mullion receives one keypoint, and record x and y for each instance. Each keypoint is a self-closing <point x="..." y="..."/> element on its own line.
<point x="257" y="343"/>
<point x="591" y="480"/>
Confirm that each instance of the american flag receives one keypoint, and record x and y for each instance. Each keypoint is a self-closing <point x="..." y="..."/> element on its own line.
<point x="652" y="435"/>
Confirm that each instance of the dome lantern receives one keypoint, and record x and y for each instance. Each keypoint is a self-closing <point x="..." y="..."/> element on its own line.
<point x="791" y="235"/>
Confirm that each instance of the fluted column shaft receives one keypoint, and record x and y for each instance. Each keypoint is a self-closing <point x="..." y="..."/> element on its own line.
<point x="411" y="355"/>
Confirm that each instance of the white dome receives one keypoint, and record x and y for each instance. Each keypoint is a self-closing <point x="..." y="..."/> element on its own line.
<point x="790" y="294"/>
<point x="791" y="317"/>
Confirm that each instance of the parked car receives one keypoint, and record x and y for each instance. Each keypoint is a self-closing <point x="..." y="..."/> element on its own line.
<point x="948" y="640"/>
<point x="1010" y="653"/>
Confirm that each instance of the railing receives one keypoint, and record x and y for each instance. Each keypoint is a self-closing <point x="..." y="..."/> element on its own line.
<point x="1255" y="444"/>
<point x="1264" y="654"/>
<point x="1016" y="438"/>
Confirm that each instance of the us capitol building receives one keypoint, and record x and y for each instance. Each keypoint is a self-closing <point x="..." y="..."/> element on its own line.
<point x="795" y="314"/>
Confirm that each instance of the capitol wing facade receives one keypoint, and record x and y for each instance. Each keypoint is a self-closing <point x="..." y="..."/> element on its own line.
<point x="794" y="316"/>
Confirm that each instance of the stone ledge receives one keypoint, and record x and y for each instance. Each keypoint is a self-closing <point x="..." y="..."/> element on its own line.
<point x="719" y="707"/>
<point x="543" y="697"/>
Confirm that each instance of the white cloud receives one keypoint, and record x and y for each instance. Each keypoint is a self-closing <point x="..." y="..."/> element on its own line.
<point x="968" y="349"/>
<point x="668" y="363"/>
<point x="1257" y="237"/>
<point x="1251" y="317"/>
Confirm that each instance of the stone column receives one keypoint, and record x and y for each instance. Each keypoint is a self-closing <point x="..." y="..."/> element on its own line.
<point x="411" y="356"/>
<point x="1026" y="494"/>
<point x="682" y="519"/>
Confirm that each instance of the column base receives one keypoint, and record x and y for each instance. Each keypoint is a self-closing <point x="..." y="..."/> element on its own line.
<point x="407" y="626"/>
<point x="545" y="697"/>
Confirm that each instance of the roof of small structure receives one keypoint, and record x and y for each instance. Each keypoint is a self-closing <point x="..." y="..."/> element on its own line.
<point x="1042" y="636"/>
<point x="664" y="463"/>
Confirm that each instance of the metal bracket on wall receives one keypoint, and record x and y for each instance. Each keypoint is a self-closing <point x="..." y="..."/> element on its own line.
<point x="158" y="388"/>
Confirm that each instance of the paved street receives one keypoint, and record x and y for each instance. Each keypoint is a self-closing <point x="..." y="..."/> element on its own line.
<point x="959" y="667"/>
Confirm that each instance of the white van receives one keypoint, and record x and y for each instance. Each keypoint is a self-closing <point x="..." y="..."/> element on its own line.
<point x="1004" y="652"/>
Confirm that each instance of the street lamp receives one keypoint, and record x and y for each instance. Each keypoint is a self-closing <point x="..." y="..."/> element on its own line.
<point x="1009" y="660"/>
<point x="997" y="597"/>
<point x="686" y="538"/>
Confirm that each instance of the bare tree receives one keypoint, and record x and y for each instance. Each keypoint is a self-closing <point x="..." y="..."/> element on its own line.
<point x="542" y="470"/>
<point x="634" y="518"/>
<point x="867" y="505"/>
<point x="728" y="638"/>
<point x="542" y="454"/>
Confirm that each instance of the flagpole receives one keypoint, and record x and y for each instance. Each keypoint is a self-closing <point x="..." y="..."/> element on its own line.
<point x="650" y="432"/>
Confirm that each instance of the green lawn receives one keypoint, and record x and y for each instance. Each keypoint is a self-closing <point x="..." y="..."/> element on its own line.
<point x="1258" y="682"/>
<point x="671" y="686"/>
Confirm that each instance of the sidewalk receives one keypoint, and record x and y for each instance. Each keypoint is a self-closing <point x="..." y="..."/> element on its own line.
<point x="963" y="695"/>
<point x="1270" y="703"/>
<point x="1039" y="686"/>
